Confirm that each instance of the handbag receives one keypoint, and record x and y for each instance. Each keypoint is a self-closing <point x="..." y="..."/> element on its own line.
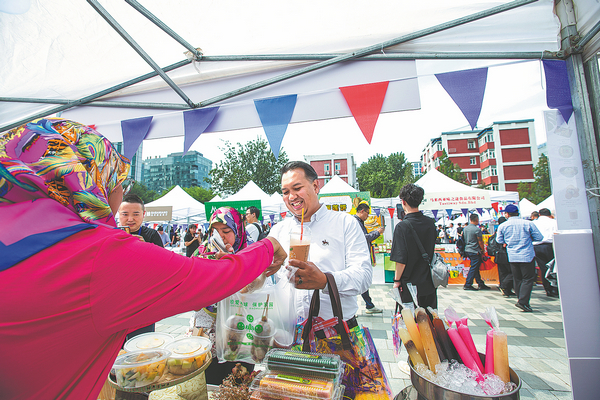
<point x="364" y="374"/>
<point x="439" y="269"/>
<point x="501" y="257"/>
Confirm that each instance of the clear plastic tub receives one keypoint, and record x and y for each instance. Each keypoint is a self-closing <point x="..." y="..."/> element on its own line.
<point x="140" y="368"/>
<point x="314" y="365"/>
<point x="188" y="354"/>
<point x="150" y="340"/>
<point x="268" y="385"/>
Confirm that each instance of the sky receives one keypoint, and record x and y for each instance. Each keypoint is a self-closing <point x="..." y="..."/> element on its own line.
<point x="515" y="90"/>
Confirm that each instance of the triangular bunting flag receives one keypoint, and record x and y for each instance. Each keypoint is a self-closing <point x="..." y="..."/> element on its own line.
<point x="272" y="216"/>
<point x="206" y="225"/>
<point x="558" y="93"/>
<point x="377" y="211"/>
<point x="283" y="214"/>
<point x="495" y="206"/>
<point x="464" y="211"/>
<point x="466" y="89"/>
<point x="195" y="123"/>
<point x="449" y="212"/>
<point x="434" y="212"/>
<point x="134" y="132"/>
<point x="480" y="211"/>
<point x="391" y="211"/>
<point x="275" y="115"/>
<point x="365" y="103"/>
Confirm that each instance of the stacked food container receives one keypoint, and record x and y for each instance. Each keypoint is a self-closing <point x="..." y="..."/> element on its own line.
<point x="294" y="375"/>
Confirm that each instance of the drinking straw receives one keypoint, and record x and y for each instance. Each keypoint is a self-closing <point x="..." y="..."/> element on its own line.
<point x="302" y="224"/>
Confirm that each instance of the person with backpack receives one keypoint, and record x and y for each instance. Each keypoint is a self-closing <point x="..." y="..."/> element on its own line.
<point x="253" y="227"/>
<point x="498" y="251"/>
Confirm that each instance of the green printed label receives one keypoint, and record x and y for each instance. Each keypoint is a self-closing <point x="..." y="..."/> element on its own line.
<point x="295" y="379"/>
<point x="291" y="354"/>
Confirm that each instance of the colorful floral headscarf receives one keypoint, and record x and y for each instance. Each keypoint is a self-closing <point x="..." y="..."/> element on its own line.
<point x="233" y="219"/>
<point x="62" y="160"/>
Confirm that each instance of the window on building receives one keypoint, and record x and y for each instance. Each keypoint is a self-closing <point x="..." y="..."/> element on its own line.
<point x="337" y="166"/>
<point x="471" y="144"/>
<point x="474" y="176"/>
<point x="437" y="162"/>
<point x="489" y="137"/>
<point x="326" y="167"/>
<point x="493" y="171"/>
<point x="473" y="161"/>
<point x="483" y="157"/>
<point x="495" y="186"/>
<point x="439" y="146"/>
<point x="491" y="153"/>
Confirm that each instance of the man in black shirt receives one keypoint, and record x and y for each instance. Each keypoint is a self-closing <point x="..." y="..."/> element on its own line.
<point x="131" y="214"/>
<point x="410" y="265"/>
<point x="191" y="240"/>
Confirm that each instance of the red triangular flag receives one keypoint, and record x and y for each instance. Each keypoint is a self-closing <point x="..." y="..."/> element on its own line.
<point x="391" y="210"/>
<point x="365" y="103"/>
<point x="283" y="214"/>
<point x="495" y="206"/>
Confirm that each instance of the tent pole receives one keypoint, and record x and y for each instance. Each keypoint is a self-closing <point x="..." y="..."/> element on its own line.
<point x="120" y="104"/>
<point x="156" y="21"/>
<point x="115" y="25"/>
<point x="91" y="97"/>
<point x="367" y="50"/>
<point x="532" y="55"/>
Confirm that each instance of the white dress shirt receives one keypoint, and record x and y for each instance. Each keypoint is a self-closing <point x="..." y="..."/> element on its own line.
<point x="338" y="246"/>
<point x="548" y="227"/>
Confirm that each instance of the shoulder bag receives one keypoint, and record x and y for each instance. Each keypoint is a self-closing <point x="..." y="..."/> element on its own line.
<point x="439" y="269"/>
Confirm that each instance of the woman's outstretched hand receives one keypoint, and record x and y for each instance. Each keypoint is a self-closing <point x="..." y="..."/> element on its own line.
<point x="279" y="256"/>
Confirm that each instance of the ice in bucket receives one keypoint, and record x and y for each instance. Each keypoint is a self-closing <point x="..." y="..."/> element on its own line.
<point x="299" y="243"/>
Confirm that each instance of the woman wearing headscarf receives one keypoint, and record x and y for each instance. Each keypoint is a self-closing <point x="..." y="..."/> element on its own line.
<point x="72" y="285"/>
<point x="227" y="223"/>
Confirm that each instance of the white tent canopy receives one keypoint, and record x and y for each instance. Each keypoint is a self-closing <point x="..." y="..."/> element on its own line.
<point x="548" y="203"/>
<point x="68" y="49"/>
<point x="526" y="207"/>
<point x="185" y="207"/>
<point x="250" y="191"/>
<point x="336" y="185"/>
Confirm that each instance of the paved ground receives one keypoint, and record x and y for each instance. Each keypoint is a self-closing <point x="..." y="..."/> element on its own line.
<point x="535" y="340"/>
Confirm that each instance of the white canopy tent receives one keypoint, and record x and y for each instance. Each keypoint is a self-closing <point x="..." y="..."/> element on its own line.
<point x="526" y="207"/>
<point x="337" y="185"/>
<point x="186" y="209"/>
<point x="270" y="204"/>
<point x="548" y="203"/>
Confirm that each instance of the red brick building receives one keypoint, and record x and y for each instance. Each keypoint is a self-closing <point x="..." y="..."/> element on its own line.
<point x="329" y="165"/>
<point x="499" y="157"/>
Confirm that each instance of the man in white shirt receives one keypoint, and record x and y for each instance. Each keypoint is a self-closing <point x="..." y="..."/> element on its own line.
<point x="252" y="225"/>
<point x="338" y="245"/>
<point x="544" y="250"/>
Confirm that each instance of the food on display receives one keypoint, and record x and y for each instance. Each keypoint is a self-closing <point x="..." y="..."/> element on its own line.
<point x="285" y="386"/>
<point x="263" y="337"/>
<point x="140" y="368"/>
<point x="235" y="333"/>
<point x="188" y="354"/>
<point x="147" y="341"/>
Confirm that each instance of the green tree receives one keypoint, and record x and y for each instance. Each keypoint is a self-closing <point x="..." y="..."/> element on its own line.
<point x="384" y="176"/>
<point x="244" y="162"/>
<point x="199" y="193"/>
<point x="540" y="189"/>
<point x="143" y="192"/>
<point x="451" y="170"/>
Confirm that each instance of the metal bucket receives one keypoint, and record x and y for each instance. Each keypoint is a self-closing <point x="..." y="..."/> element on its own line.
<point x="430" y="391"/>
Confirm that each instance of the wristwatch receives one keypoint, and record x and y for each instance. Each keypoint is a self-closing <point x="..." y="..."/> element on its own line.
<point x="397" y="280"/>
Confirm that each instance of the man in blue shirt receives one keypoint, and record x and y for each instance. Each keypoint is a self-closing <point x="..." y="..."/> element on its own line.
<point x="519" y="234"/>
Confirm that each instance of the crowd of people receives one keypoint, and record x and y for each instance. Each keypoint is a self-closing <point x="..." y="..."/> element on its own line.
<point x="80" y="284"/>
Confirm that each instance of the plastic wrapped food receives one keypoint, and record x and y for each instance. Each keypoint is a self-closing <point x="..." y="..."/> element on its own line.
<point x="281" y="386"/>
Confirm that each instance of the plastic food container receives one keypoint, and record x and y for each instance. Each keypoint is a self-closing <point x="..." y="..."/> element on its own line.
<point x="140" y="368"/>
<point x="314" y="365"/>
<point x="147" y="341"/>
<point x="270" y="385"/>
<point x="188" y="354"/>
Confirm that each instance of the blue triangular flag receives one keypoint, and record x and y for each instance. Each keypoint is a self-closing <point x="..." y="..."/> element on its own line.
<point x="272" y="216"/>
<point x="464" y="211"/>
<point x="558" y="93"/>
<point x="449" y="212"/>
<point x="466" y="89"/>
<point x="275" y="115"/>
<point x="377" y="211"/>
<point x="134" y="132"/>
<point x="434" y="213"/>
<point x="479" y="211"/>
<point x="195" y="123"/>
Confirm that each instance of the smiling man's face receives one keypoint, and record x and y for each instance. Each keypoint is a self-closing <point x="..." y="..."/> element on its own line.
<point x="299" y="192"/>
